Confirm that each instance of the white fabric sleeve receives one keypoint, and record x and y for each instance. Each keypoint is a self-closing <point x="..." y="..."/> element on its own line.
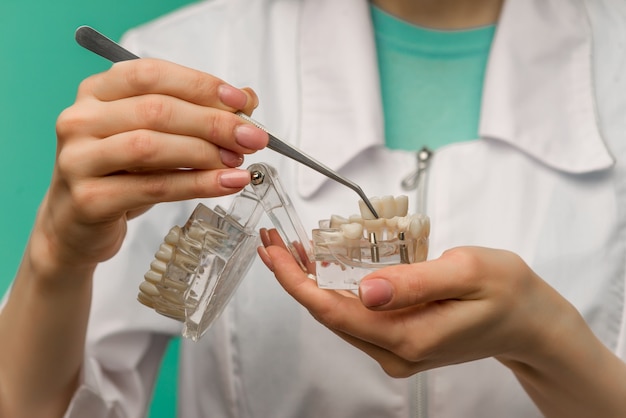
<point x="125" y="339"/>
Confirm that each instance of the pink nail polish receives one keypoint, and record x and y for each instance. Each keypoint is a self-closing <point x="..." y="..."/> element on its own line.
<point x="250" y="136"/>
<point x="230" y="159"/>
<point x="234" y="179"/>
<point x="375" y="292"/>
<point x="232" y="96"/>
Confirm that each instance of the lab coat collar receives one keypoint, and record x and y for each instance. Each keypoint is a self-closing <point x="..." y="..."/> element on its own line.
<point x="551" y="118"/>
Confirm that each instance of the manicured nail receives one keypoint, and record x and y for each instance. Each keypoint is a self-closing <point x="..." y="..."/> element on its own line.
<point x="234" y="178"/>
<point x="375" y="292"/>
<point x="230" y="159"/>
<point x="249" y="136"/>
<point x="232" y="96"/>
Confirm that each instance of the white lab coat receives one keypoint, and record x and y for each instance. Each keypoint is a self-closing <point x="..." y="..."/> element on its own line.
<point x="546" y="179"/>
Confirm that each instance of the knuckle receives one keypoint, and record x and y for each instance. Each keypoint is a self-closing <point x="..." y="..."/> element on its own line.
<point x="141" y="147"/>
<point x="153" y="111"/>
<point x="144" y="75"/>
<point x="157" y="186"/>
<point x="70" y="121"/>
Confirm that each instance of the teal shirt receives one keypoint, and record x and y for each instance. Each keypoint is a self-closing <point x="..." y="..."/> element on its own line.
<point x="431" y="81"/>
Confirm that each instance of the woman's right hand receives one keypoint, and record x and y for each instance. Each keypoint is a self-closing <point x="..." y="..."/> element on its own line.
<point x="144" y="132"/>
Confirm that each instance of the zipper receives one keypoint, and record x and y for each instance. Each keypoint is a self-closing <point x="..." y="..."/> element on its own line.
<point x="417" y="181"/>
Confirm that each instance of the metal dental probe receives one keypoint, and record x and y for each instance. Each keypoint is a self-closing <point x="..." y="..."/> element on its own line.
<point x="94" y="41"/>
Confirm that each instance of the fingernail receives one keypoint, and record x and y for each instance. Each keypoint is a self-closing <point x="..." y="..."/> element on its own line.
<point x="249" y="136"/>
<point x="234" y="179"/>
<point x="230" y="159"/>
<point x="375" y="292"/>
<point x="232" y="96"/>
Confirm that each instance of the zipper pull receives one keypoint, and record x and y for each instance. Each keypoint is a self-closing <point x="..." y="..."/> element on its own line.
<point x="411" y="181"/>
<point x="417" y="179"/>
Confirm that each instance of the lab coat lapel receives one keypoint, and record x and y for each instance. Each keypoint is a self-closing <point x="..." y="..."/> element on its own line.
<point x="341" y="105"/>
<point x="551" y="118"/>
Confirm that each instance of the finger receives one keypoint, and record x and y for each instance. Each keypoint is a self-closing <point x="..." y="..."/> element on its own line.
<point x="145" y="150"/>
<point x="115" y="194"/>
<point x="386" y="329"/>
<point x="151" y="76"/>
<point x="455" y="275"/>
<point x="162" y="114"/>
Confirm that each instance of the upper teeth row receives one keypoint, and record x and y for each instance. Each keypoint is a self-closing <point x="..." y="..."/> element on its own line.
<point x="393" y="220"/>
<point x="386" y="207"/>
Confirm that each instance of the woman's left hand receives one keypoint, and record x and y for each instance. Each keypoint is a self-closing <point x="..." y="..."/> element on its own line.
<point x="468" y="304"/>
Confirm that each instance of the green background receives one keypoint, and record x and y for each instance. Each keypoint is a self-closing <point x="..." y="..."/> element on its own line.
<point x="40" y="69"/>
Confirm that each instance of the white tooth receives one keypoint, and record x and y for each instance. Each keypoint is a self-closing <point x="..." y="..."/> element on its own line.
<point x="355" y="219"/>
<point x="158" y="266"/>
<point x="403" y="223"/>
<point x="420" y="226"/>
<point x="426" y="227"/>
<point x="173" y="235"/>
<point x="153" y="276"/>
<point x="415" y="228"/>
<point x="402" y="205"/>
<point x="392" y="223"/>
<point x="387" y="207"/>
<point x="165" y="252"/>
<point x="352" y="231"/>
<point x="336" y="221"/>
<point x="145" y="300"/>
<point x="331" y="237"/>
<point x="149" y="289"/>
<point x="196" y="231"/>
<point x="365" y="211"/>
<point x="376" y="226"/>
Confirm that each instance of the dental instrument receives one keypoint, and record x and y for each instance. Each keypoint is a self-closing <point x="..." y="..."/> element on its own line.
<point x="94" y="41"/>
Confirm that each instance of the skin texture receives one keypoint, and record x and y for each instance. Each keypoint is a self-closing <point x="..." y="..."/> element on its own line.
<point x="148" y="131"/>
<point x="160" y="117"/>
<point x="468" y="304"/>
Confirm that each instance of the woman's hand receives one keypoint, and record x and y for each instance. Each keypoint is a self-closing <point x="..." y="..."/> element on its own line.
<point x="468" y="304"/>
<point x="144" y="132"/>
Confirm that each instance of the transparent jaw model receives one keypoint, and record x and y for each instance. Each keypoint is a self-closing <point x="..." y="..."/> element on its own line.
<point x="198" y="266"/>
<point x="347" y="249"/>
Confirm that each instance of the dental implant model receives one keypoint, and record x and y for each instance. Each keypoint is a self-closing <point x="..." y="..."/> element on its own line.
<point x="347" y="249"/>
<point x="198" y="266"/>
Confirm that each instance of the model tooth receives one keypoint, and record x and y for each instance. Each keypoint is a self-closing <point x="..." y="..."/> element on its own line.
<point x="392" y="223"/>
<point x="376" y="226"/>
<point x="387" y="207"/>
<point x="355" y="219"/>
<point x="153" y="276"/>
<point x="352" y="231"/>
<point x="331" y="237"/>
<point x="149" y="289"/>
<point x="426" y="226"/>
<point x="158" y="266"/>
<point x="173" y="296"/>
<point x="165" y="252"/>
<point x="174" y="284"/>
<point x="173" y="236"/>
<point x="366" y="213"/>
<point x="404" y="222"/>
<point x="402" y="205"/>
<point x="415" y="228"/>
<point x="336" y="221"/>
<point x="196" y="231"/>
<point x="145" y="300"/>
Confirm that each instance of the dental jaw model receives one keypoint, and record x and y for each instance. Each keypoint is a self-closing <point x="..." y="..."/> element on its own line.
<point x="198" y="266"/>
<point x="347" y="249"/>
